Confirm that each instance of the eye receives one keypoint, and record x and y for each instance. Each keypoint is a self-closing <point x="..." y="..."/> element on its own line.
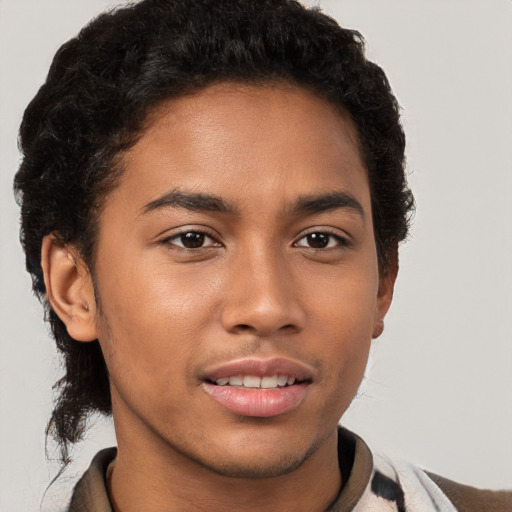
<point x="192" y="240"/>
<point x="321" y="240"/>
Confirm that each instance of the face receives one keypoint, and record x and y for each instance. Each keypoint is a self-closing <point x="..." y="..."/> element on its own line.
<point x="237" y="274"/>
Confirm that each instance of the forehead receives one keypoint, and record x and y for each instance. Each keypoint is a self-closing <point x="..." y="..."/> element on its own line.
<point x="239" y="140"/>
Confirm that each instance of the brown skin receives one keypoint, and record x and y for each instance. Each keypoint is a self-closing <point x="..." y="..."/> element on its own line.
<point x="256" y="288"/>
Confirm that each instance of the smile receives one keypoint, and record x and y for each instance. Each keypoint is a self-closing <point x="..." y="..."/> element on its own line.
<point x="259" y="388"/>
<point x="253" y="381"/>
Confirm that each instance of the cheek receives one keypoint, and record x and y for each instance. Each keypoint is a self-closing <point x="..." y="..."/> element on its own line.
<point x="153" y="315"/>
<point x="343" y="323"/>
<point x="345" y="304"/>
<point x="345" y="347"/>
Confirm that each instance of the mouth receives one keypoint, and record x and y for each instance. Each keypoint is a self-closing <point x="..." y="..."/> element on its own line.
<point x="259" y="388"/>
<point x="255" y="382"/>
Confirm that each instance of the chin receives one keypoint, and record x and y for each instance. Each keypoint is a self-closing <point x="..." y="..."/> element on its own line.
<point x="258" y="456"/>
<point x="256" y="468"/>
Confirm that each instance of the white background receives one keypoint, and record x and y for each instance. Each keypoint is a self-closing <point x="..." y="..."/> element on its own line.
<point x="439" y="391"/>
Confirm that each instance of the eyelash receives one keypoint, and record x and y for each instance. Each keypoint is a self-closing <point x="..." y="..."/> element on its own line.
<point x="171" y="239"/>
<point x="340" y="240"/>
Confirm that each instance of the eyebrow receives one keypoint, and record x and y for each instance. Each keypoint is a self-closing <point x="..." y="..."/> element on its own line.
<point x="190" y="201"/>
<point x="330" y="201"/>
<point x="211" y="203"/>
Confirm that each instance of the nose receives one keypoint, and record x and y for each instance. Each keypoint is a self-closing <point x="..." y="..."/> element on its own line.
<point x="262" y="297"/>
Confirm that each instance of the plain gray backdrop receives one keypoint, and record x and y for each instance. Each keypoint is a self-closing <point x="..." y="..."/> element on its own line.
<point x="438" y="392"/>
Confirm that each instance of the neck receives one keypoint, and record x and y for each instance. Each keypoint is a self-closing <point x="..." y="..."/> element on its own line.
<point x="153" y="477"/>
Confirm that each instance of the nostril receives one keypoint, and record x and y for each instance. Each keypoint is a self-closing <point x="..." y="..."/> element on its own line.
<point x="244" y="327"/>
<point x="247" y="328"/>
<point x="289" y="328"/>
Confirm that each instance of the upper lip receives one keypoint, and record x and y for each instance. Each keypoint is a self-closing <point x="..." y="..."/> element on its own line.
<point x="261" y="368"/>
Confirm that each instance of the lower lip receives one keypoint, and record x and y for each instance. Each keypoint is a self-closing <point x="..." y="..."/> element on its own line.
<point x="258" y="402"/>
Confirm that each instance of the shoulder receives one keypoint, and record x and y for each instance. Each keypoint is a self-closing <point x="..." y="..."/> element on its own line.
<point x="419" y="487"/>
<point x="470" y="499"/>
<point x="90" y="493"/>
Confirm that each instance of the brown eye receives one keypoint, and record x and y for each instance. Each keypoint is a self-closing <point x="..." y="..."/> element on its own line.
<point x="318" y="240"/>
<point x="321" y="240"/>
<point x="191" y="240"/>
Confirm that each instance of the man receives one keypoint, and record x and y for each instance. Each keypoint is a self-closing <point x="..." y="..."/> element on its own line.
<point x="212" y="198"/>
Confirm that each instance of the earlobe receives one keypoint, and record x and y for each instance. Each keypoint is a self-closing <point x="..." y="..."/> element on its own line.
<point x="69" y="288"/>
<point x="385" y="294"/>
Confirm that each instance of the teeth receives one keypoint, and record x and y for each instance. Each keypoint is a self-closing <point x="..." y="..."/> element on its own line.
<point x="269" y="382"/>
<point x="282" y="380"/>
<point x="251" y="381"/>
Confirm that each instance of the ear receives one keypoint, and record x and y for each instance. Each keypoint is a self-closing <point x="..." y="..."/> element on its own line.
<point x="69" y="288"/>
<point x="385" y="294"/>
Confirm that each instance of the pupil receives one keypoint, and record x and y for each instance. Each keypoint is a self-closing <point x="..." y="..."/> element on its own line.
<point x="318" y="240"/>
<point x="192" y="240"/>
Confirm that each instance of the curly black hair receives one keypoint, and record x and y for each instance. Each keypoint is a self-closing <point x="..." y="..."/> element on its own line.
<point x="104" y="83"/>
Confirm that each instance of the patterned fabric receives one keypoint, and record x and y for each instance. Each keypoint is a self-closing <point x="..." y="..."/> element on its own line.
<point x="400" y="487"/>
